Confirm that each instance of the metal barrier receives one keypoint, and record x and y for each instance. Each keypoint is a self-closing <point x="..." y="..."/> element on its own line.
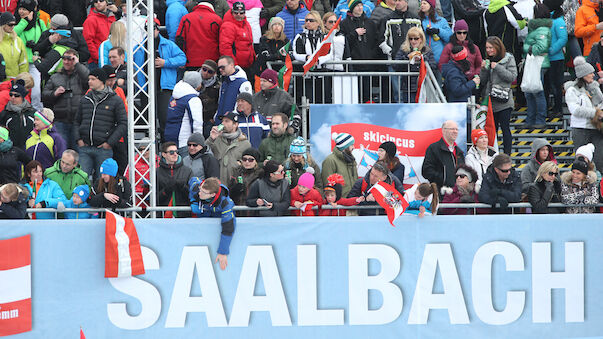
<point x="474" y="206"/>
<point x="359" y="81"/>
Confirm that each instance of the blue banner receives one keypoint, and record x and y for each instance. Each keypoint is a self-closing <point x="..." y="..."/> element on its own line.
<point x="346" y="277"/>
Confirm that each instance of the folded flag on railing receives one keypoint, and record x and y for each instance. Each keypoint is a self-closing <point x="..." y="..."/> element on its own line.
<point x="322" y="49"/>
<point x="390" y="199"/>
<point x="123" y="256"/>
<point x="421" y="96"/>
<point x="15" y="285"/>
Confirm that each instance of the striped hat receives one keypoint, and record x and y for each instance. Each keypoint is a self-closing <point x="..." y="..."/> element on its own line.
<point x="353" y="3"/>
<point x="46" y="115"/>
<point x="343" y="140"/>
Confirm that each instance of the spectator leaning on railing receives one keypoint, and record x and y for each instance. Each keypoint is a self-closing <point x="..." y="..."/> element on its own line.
<point x="465" y="190"/>
<point x="579" y="187"/>
<point x="501" y="185"/>
<point x="545" y="189"/>
<point x="272" y="191"/>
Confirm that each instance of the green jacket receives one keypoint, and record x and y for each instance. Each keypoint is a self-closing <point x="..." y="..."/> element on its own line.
<point x="67" y="181"/>
<point x="228" y="154"/>
<point x="15" y="56"/>
<point x="335" y="163"/>
<point x="277" y="148"/>
<point x="33" y="34"/>
<point x="539" y="38"/>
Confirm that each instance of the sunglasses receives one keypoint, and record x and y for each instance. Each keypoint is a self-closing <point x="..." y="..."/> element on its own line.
<point x="16" y="95"/>
<point x="553" y="174"/>
<point x="239" y="13"/>
<point x="461" y="32"/>
<point x="210" y="71"/>
<point x="310" y="20"/>
<point x="504" y="171"/>
<point x="248" y="159"/>
<point x="221" y="68"/>
<point x="331" y="21"/>
<point x="411" y="39"/>
<point x="279" y="172"/>
<point x="193" y="145"/>
<point x="462" y="176"/>
<point x="11" y="24"/>
<point x="68" y="57"/>
<point x="171" y="152"/>
<point x="95" y="1"/>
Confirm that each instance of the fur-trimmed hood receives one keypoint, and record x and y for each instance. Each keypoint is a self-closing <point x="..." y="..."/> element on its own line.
<point x="591" y="177"/>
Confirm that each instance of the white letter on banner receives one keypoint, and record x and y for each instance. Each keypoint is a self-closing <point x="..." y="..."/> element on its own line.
<point x="360" y="283"/>
<point x="274" y="301"/>
<point x="145" y="292"/>
<point x="572" y="280"/>
<point x="481" y="283"/>
<point x="438" y="255"/>
<point x="307" y="293"/>
<point x="182" y="303"/>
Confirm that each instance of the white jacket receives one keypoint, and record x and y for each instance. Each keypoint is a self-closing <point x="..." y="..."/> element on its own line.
<point x="473" y="160"/>
<point x="583" y="103"/>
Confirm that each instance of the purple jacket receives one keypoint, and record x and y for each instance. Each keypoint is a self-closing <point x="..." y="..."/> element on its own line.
<point x="47" y="146"/>
<point x="455" y="197"/>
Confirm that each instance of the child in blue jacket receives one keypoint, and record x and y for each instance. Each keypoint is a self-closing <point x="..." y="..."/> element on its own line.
<point x="210" y="199"/>
<point x="422" y="198"/>
<point x="78" y="200"/>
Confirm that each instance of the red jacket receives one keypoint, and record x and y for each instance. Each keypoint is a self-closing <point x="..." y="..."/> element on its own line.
<point x="236" y="40"/>
<point x="4" y="91"/>
<point x="96" y="30"/>
<point x="312" y="195"/>
<point x="339" y="212"/>
<point x="9" y="6"/>
<point x="585" y="24"/>
<point x="198" y="35"/>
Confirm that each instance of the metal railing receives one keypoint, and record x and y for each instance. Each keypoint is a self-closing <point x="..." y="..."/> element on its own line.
<point x="375" y="82"/>
<point x="379" y="209"/>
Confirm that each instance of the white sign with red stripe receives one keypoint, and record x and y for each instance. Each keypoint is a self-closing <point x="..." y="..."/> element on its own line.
<point x="15" y="285"/>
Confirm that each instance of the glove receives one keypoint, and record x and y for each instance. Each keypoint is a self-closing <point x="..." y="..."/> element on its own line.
<point x="548" y="185"/>
<point x="60" y="207"/>
<point x="264" y="13"/>
<point x="385" y="48"/>
<point x="502" y="203"/>
<point x="466" y="199"/>
<point x="238" y="188"/>
<point x="432" y="31"/>
<point x="30" y="44"/>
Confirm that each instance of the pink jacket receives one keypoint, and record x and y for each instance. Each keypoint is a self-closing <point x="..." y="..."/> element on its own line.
<point x="475" y="59"/>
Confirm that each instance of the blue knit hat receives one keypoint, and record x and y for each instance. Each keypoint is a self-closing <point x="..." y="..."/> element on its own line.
<point x="109" y="167"/>
<point x="298" y="146"/>
<point x="82" y="191"/>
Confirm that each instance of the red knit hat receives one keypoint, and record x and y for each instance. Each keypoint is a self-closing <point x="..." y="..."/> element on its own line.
<point x="476" y="134"/>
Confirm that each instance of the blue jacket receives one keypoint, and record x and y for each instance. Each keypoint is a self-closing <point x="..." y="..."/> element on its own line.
<point x="558" y="39"/>
<point x="75" y="215"/>
<point x="184" y="114"/>
<point x="342" y="8"/>
<point x="445" y="33"/>
<point x="229" y="90"/>
<point x="50" y="193"/>
<point x="255" y="127"/>
<point x="294" y="22"/>
<point x="103" y="53"/>
<point x="220" y="207"/>
<point x="174" y="57"/>
<point x="458" y="88"/>
<point x="174" y="13"/>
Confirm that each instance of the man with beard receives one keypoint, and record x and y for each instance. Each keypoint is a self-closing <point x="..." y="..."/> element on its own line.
<point x="342" y="161"/>
<point x="276" y="145"/>
<point x="228" y="144"/>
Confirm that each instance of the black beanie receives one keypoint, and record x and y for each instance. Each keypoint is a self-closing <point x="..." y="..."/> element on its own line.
<point x="254" y="153"/>
<point x="270" y="167"/>
<point x="581" y="166"/>
<point x="99" y="73"/>
<point x="6" y="18"/>
<point x="389" y="148"/>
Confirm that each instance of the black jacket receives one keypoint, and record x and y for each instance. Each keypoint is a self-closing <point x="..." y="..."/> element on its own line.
<point x="75" y="10"/>
<point x="361" y="187"/>
<point x="102" y="121"/>
<point x="172" y="182"/>
<point x="51" y="56"/>
<point x="498" y="194"/>
<point x="498" y="25"/>
<point x="20" y="124"/>
<point x="239" y="190"/>
<point x="65" y="105"/>
<point x="10" y="165"/>
<point x="393" y="29"/>
<point x="123" y="191"/>
<point x="440" y="164"/>
<point x="277" y="193"/>
<point x="541" y="193"/>
<point x="275" y="100"/>
<point x="209" y="98"/>
<point x="16" y="209"/>
<point x="362" y="47"/>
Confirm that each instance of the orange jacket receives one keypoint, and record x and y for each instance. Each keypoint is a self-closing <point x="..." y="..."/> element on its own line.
<point x="586" y="20"/>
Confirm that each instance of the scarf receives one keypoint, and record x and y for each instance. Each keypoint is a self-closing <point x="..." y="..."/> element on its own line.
<point x="232" y="136"/>
<point x="6" y="145"/>
<point x="17" y="108"/>
<point x="99" y="95"/>
<point x="349" y="158"/>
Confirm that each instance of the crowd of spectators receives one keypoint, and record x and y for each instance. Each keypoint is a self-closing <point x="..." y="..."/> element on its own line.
<point x="222" y="115"/>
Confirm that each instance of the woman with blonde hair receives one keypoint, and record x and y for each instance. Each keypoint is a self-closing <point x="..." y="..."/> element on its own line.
<point x="117" y="38"/>
<point x="545" y="189"/>
<point x="271" y="44"/>
<point x="412" y="49"/>
<point x="11" y="47"/>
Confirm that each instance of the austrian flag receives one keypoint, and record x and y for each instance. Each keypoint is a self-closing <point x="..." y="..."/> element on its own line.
<point x="322" y="49"/>
<point x="390" y="199"/>
<point x="123" y="256"/>
<point x="15" y="285"/>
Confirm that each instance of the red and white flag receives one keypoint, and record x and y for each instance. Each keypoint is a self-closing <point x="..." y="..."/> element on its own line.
<point x="123" y="257"/>
<point x="421" y="96"/>
<point x="15" y="285"/>
<point x="322" y="49"/>
<point x="390" y="199"/>
<point x="82" y="336"/>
